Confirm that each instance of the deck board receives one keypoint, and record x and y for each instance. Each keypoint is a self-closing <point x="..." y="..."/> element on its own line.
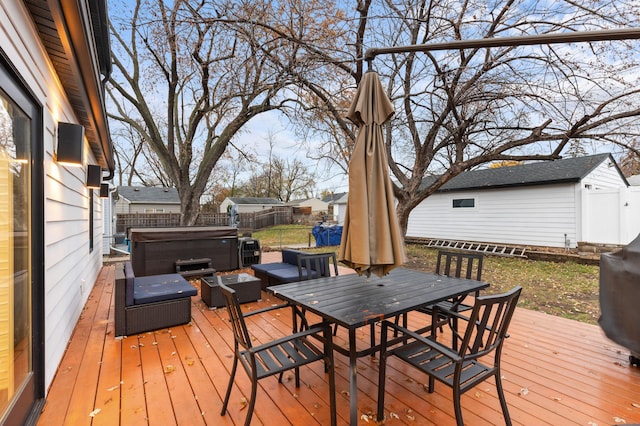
<point x="555" y="372"/>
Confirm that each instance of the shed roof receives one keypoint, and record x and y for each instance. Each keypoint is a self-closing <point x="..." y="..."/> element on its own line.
<point x="332" y="198"/>
<point x="254" y="200"/>
<point x="149" y="194"/>
<point x="544" y="172"/>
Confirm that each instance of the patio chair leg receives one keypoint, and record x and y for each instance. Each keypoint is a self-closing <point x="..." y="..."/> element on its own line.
<point x="330" y="365"/>
<point x="252" y="401"/>
<point x="503" y="401"/>
<point x="456" y="405"/>
<point x="231" y="378"/>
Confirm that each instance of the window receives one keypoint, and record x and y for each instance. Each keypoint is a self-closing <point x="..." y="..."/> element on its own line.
<point x="464" y="202"/>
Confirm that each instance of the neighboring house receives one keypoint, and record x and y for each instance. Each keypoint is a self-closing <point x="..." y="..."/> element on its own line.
<point x="335" y="205"/>
<point x="340" y="208"/>
<point x="552" y="203"/>
<point x="249" y="204"/>
<point x="317" y="206"/>
<point x="54" y="58"/>
<point x="146" y="199"/>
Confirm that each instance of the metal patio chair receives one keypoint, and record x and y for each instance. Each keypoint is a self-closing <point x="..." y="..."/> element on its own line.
<point x="459" y="265"/>
<point x="269" y="359"/>
<point x="316" y="265"/>
<point x="453" y="264"/>
<point x="459" y="369"/>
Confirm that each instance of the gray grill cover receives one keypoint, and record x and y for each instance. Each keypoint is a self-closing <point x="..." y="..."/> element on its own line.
<point x="620" y="295"/>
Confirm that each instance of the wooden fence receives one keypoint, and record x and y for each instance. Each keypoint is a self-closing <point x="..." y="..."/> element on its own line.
<point x="248" y="222"/>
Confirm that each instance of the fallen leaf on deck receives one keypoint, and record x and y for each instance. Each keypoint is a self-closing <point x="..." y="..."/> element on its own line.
<point x="523" y="391"/>
<point x="169" y="369"/>
<point x="619" y="420"/>
<point x="112" y="388"/>
<point x="243" y="403"/>
<point x="394" y="415"/>
<point x="94" y="412"/>
<point x="365" y="418"/>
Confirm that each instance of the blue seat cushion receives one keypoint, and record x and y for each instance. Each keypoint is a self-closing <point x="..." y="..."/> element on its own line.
<point x="156" y="288"/>
<point x="267" y="267"/>
<point x="289" y="274"/>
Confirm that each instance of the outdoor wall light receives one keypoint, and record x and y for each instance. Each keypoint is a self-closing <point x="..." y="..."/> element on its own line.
<point x="104" y="190"/>
<point x="70" y="144"/>
<point x="94" y="176"/>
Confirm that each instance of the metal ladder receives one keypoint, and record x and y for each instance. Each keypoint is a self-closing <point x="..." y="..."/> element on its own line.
<point x="487" y="248"/>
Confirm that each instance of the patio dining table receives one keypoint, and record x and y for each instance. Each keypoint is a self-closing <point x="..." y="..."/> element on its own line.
<point x="353" y="301"/>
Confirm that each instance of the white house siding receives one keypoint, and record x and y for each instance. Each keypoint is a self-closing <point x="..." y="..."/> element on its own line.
<point x="154" y="208"/>
<point x="533" y="215"/>
<point x="606" y="175"/>
<point x="70" y="269"/>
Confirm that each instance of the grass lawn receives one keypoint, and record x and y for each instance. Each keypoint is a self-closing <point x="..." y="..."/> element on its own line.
<point x="565" y="289"/>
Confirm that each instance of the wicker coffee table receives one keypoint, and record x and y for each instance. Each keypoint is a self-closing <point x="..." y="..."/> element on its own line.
<point x="247" y="288"/>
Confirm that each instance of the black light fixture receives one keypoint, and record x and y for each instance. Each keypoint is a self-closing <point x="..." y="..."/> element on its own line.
<point x="104" y="190"/>
<point x="94" y="176"/>
<point x="70" y="144"/>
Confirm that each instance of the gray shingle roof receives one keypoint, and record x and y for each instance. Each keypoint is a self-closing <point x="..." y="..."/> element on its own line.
<point x="540" y="173"/>
<point x="254" y="200"/>
<point x="149" y="194"/>
<point x="331" y="198"/>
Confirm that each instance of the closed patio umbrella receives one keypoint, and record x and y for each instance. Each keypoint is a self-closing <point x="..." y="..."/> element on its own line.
<point x="371" y="238"/>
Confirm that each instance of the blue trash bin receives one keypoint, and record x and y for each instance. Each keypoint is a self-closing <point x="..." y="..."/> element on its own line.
<point x="327" y="235"/>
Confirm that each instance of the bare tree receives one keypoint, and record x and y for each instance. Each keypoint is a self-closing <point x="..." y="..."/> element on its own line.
<point x="460" y="109"/>
<point x="284" y="179"/>
<point x="193" y="81"/>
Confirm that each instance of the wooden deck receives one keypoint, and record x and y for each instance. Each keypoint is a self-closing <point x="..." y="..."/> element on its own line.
<point x="555" y="371"/>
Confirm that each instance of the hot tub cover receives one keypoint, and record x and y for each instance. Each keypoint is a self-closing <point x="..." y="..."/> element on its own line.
<point x="620" y="295"/>
<point x="181" y="233"/>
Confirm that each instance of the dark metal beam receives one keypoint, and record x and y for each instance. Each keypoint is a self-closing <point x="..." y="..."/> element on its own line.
<point x="553" y="38"/>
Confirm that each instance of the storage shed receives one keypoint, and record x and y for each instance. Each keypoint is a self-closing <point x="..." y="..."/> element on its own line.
<point x="536" y="204"/>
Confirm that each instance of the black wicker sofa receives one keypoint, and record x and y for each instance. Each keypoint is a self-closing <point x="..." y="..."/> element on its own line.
<point x="150" y="302"/>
